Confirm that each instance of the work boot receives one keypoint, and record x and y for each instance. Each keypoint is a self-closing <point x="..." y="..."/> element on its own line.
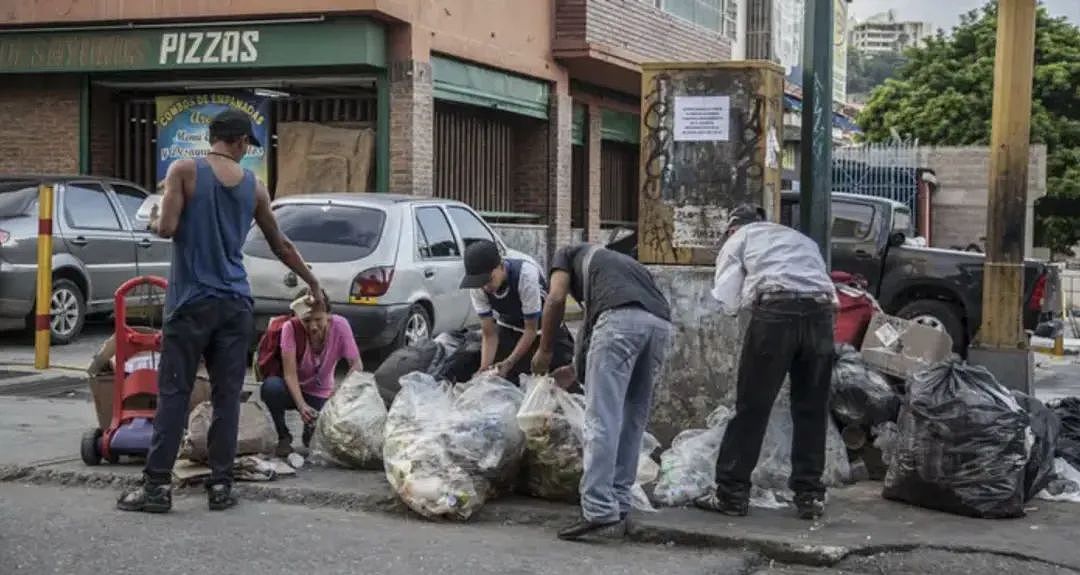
<point x="585" y="528"/>
<point x="284" y="447"/>
<point x="147" y="498"/>
<point x="219" y="497"/>
<point x="809" y="506"/>
<point x="724" y="503"/>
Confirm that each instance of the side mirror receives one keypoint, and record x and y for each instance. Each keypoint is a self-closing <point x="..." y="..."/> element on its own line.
<point x="151" y="201"/>
<point x="896" y="239"/>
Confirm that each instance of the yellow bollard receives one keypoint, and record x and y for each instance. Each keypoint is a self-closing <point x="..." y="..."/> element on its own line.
<point x="42" y="319"/>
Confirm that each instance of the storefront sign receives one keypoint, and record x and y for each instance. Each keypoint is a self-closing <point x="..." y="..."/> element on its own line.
<point x="344" y="42"/>
<point x="183" y="123"/>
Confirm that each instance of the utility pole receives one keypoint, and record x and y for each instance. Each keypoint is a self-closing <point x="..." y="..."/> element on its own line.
<point x="815" y="178"/>
<point x="1002" y="346"/>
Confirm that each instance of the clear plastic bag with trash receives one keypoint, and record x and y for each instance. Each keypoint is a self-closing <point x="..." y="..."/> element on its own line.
<point x="860" y="395"/>
<point x="447" y="450"/>
<point x="349" y="432"/>
<point x="553" y="421"/>
<point x="688" y="468"/>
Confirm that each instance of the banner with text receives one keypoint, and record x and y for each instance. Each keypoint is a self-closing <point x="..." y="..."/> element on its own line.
<point x="183" y="124"/>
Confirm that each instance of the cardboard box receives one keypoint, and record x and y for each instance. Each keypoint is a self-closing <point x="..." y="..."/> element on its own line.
<point x="899" y="347"/>
<point x="101" y="389"/>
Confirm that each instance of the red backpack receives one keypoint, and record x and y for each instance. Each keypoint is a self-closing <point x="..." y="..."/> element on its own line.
<point x="268" y="357"/>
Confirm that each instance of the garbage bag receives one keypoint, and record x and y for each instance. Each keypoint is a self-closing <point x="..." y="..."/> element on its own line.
<point x="446" y="450"/>
<point x="403" y="361"/>
<point x="688" y="468"/>
<point x="1068" y="412"/>
<point x="255" y="435"/>
<point x="454" y="356"/>
<point x="961" y="445"/>
<point x="349" y="432"/>
<point x="1045" y="428"/>
<point x="774" y="464"/>
<point x="860" y="395"/>
<point x="1064" y="485"/>
<point x="553" y="421"/>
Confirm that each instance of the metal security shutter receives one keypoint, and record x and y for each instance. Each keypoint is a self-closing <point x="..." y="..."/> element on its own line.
<point x="473" y="157"/>
<point x="134" y="141"/>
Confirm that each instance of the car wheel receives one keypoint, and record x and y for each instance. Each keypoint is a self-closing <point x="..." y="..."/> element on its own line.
<point x="67" y="311"/>
<point x="417" y="327"/>
<point x="938" y="315"/>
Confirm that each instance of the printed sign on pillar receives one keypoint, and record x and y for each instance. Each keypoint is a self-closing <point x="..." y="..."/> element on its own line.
<point x="183" y="124"/>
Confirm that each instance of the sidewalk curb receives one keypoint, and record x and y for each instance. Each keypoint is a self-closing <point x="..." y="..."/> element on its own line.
<point x="542" y="514"/>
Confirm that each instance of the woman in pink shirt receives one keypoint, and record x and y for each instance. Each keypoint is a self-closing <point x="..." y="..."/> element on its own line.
<point x="309" y="380"/>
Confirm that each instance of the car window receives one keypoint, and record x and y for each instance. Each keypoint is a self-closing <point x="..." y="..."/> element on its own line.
<point x="131" y="199"/>
<point x="434" y="237"/>
<point x="87" y="206"/>
<point x="323" y="233"/>
<point x="469" y="226"/>
<point x="902" y="221"/>
<point x="852" y="221"/>
<point x="17" y="199"/>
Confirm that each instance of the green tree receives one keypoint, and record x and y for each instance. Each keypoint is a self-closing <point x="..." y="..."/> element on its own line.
<point x="943" y="95"/>
<point x="868" y="71"/>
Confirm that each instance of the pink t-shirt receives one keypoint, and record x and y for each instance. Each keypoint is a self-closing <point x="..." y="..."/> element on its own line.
<point x="316" y="371"/>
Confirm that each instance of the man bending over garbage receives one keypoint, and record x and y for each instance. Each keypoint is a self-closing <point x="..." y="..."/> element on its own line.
<point x="780" y="275"/>
<point x="621" y="349"/>
<point x="508" y="295"/>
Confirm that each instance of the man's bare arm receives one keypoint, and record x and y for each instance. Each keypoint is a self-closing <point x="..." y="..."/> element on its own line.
<point x="178" y="178"/>
<point x="489" y="342"/>
<point x="279" y="244"/>
<point x="554" y="309"/>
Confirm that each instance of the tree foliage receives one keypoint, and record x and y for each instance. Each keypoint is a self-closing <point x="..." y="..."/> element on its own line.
<point x="943" y="95"/>
<point x="868" y="71"/>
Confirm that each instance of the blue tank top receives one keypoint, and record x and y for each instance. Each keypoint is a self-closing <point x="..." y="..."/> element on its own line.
<point x="206" y="257"/>
<point x="508" y="305"/>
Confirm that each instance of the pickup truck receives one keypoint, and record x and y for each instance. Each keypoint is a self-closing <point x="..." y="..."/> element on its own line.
<point x="935" y="287"/>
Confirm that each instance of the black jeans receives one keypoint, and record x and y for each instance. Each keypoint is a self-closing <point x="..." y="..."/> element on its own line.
<point x="219" y="330"/>
<point x="275" y="394"/>
<point x="562" y="354"/>
<point x="784" y="336"/>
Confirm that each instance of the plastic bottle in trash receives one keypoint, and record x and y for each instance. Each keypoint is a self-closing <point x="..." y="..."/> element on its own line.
<point x="295" y="460"/>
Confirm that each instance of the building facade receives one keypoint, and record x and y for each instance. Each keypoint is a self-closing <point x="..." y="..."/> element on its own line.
<point x="884" y="33"/>
<point x="526" y="110"/>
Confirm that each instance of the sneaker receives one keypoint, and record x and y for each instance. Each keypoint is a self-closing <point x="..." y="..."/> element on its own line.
<point x="722" y="503"/>
<point x="147" y="498"/>
<point x="220" y="497"/>
<point x="809" y="506"/>
<point x="284" y="447"/>
<point x="585" y="528"/>
<point x="309" y="431"/>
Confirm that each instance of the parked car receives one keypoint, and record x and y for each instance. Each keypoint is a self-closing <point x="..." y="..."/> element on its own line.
<point x="935" y="287"/>
<point x="97" y="245"/>
<point x="390" y="264"/>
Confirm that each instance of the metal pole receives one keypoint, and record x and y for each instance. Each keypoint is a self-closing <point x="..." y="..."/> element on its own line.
<point x="815" y="178"/>
<point x="42" y="333"/>
<point x="1003" y="288"/>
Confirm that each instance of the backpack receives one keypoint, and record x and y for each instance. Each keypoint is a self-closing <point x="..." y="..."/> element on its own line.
<point x="268" y="357"/>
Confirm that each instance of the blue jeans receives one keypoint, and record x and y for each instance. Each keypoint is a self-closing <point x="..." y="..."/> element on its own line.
<point x="626" y="351"/>
<point x="275" y="394"/>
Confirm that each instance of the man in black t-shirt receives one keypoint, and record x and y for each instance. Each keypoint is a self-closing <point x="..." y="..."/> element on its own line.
<point x="620" y="350"/>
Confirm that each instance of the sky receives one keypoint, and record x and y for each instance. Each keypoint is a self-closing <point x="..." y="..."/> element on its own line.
<point x="946" y="13"/>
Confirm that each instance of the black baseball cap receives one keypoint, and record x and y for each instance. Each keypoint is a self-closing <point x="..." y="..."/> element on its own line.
<point x="744" y="215"/>
<point x="481" y="258"/>
<point x="233" y="123"/>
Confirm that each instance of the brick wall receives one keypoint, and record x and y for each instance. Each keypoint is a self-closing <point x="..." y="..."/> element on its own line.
<point x="637" y="29"/>
<point x="412" y="112"/>
<point x="39" y="125"/>
<point x="531" y="164"/>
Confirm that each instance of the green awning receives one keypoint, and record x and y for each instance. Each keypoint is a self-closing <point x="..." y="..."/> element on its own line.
<point x="577" y="131"/>
<point x="464" y="83"/>
<point x="620" y="127"/>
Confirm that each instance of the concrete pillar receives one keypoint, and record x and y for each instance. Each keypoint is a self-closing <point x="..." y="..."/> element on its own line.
<point x="592" y="183"/>
<point x="560" y="158"/>
<point x="412" y="111"/>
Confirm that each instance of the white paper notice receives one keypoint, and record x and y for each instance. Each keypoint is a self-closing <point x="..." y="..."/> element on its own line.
<point x="702" y="118"/>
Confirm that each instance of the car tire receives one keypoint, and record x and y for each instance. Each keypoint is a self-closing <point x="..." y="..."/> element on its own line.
<point x="69" y="300"/>
<point x="417" y="325"/>
<point x="938" y="315"/>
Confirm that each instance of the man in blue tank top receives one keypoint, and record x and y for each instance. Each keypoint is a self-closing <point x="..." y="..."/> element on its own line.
<point x="207" y="210"/>
<point x="508" y="295"/>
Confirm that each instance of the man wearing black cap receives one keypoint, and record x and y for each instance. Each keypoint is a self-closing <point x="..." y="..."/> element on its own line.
<point x="508" y="295"/>
<point x="779" y="274"/>
<point x="207" y="209"/>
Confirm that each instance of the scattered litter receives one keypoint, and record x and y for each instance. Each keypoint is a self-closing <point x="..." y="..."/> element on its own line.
<point x="1065" y="486"/>
<point x="766" y="499"/>
<point x="349" y="432"/>
<point x="295" y="460"/>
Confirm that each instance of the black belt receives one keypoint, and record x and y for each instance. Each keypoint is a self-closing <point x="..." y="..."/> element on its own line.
<point x="781" y="296"/>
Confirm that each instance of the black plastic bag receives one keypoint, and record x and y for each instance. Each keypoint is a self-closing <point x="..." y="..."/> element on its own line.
<point x="401" y="362"/>
<point x="961" y="445"/>
<point x="1045" y="428"/>
<point x="860" y="395"/>
<point x="1068" y="445"/>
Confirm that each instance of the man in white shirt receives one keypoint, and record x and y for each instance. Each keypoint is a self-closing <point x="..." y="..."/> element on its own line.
<point x="779" y="275"/>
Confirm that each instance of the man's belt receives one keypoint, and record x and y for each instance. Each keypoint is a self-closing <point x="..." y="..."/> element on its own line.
<point x="782" y="296"/>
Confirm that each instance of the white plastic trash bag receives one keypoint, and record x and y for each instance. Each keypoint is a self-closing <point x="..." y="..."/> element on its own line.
<point x="688" y="468"/>
<point x="447" y="450"/>
<point x="349" y="432"/>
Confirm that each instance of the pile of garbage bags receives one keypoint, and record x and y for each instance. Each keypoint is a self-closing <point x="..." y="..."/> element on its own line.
<point x="1068" y="413"/>
<point x="349" y="432"/>
<point x="962" y="444"/>
<point x="553" y="421"/>
<point x="688" y="468"/>
<point x="447" y="449"/>
<point x="453" y="356"/>
<point x="860" y="395"/>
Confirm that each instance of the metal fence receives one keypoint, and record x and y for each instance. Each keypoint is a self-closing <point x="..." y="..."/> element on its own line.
<point x="881" y="170"/>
